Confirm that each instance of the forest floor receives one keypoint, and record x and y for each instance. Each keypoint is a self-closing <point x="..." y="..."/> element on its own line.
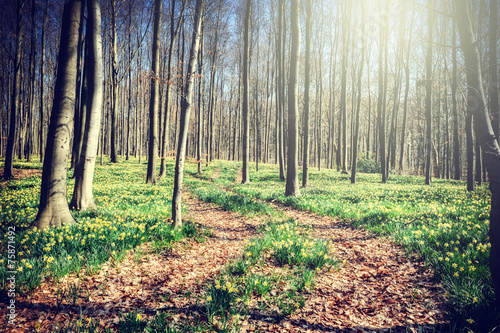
<point x="376" y="287"/>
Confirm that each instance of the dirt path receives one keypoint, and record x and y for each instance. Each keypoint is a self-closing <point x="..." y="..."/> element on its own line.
<point x="376" y="286"/>
<point x="143" y="280"/>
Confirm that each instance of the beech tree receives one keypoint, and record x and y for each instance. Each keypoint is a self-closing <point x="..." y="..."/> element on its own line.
<point x="307" y="88"/>
<point x="246" y="95"/>
<point x="477" y="106"/>
<point x="9" y="155"/>
<point x="84" y="170"/>
<point x="53" y="209"/>
<point x="154" y="103"/>
<point x="187" y="97"/>
<point x="292" y="166"/>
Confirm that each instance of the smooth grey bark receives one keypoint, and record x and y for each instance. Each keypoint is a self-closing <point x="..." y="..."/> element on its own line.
<point x="292" y="168"/>
<point x="307" y="87"/>
<point x="53" y="209"/>
<point x="174" y="33"/>
<point x="15" y="99"/>
<point x="84" y="171"/>
<point x="355" y="144"/>
<point x="199" y="146"/>
<point x="428" y="96"/>
<point x="245" y="109"/>
<point x="493" y="68"/>
<point x="42" y="85"/>
<point x="187" y="97"/>
<point x="154" y="102"/>
<point x="114" y="84"/>
<point x="454" y="85"/>
<point x="477" y="107"/>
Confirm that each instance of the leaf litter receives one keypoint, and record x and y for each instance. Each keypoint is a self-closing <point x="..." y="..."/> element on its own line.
<point x="376" y="288"/>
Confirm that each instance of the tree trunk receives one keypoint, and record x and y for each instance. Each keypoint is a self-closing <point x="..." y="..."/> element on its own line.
<point x="185" y="112"/>
<point x="154" y="102"/>
<point x="42" y="83"/>
<point x="16" y="97"/>
<point x="84" y="171"/>
<point x="292" y="174"/>
<point x="246" y="69"/>
<point x="114" y="84"/>
<point x="281" y="89"/>
<point x="493" y="68"/>
<point x="54" y="209"/>
<point x="200" y="101"/>
<point x="355" y="143"/>
<point x="456" y="139"/>
<point x="174" y="33"/>
<point x="477" y="107"/>
<point x="428" y="97"/>
<point x="307" y="87"/>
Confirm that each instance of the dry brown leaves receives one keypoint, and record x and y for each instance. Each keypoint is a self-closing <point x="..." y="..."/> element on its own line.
<point x="143" y="280"/>
<point x="376" y="288"/>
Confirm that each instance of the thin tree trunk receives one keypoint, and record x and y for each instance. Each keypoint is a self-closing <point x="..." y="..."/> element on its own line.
<point x="307" y="87"/>
<point x="154" y="103"/>
<point x="16" y="98"/>
<point x="185" y="113"/>
<point x="246" y="65"/>
<point x="493" y="68"/>
<point x="355" y="142"/>
<point x="428" y="97"/>
<point x="292" y="174"/>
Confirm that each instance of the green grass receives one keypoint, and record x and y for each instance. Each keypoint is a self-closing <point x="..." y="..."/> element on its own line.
<point x="128" y="213"/>
<point x="443" y="223"/>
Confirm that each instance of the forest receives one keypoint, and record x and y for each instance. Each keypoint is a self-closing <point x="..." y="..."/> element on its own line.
<point x="249" y="166"/>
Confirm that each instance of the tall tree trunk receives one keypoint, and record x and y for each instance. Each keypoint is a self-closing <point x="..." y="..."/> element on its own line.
<point x="246" y="67"/>
<point x="307" y="87"/>
<point x="428" y="96"/>
<point x="16" y="97"/>
<point x="154" y="102"/>
<point x="174" y="33"/>
<point x="185" y="112"/>
<point x="53" y="209"/>
<point x="477" y="107"/>
<point x="114" y="84"/>
<point x="281" y="89"/>
<point x="200" y="100"/>
<point x="493" y="68"/>
<point x="84" y="171"/>
<point x="355" y="143"/>
<point x="42" y="83"/>
<point x="454" y="85"/>
<point x="381" y="104"/>
<point x="292" y="167"/>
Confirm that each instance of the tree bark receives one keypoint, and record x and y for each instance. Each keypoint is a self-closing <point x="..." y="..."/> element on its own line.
<point x="185" y="113"/>
<point x="53" y="209"/>
<point x="493" y="68"/>
<point x="114" y="84"/>
<point x="84" y="171"/>
<point x="307" y="87"/>
<point x="477" y="106"/>
<point x="16" y="97"/>
<point x="355" y="143"/>
<point x="292" y="174"/>
<point x="246" y="65"/>
<point x="154" y="102"/>
<point x="428" y="97"/>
